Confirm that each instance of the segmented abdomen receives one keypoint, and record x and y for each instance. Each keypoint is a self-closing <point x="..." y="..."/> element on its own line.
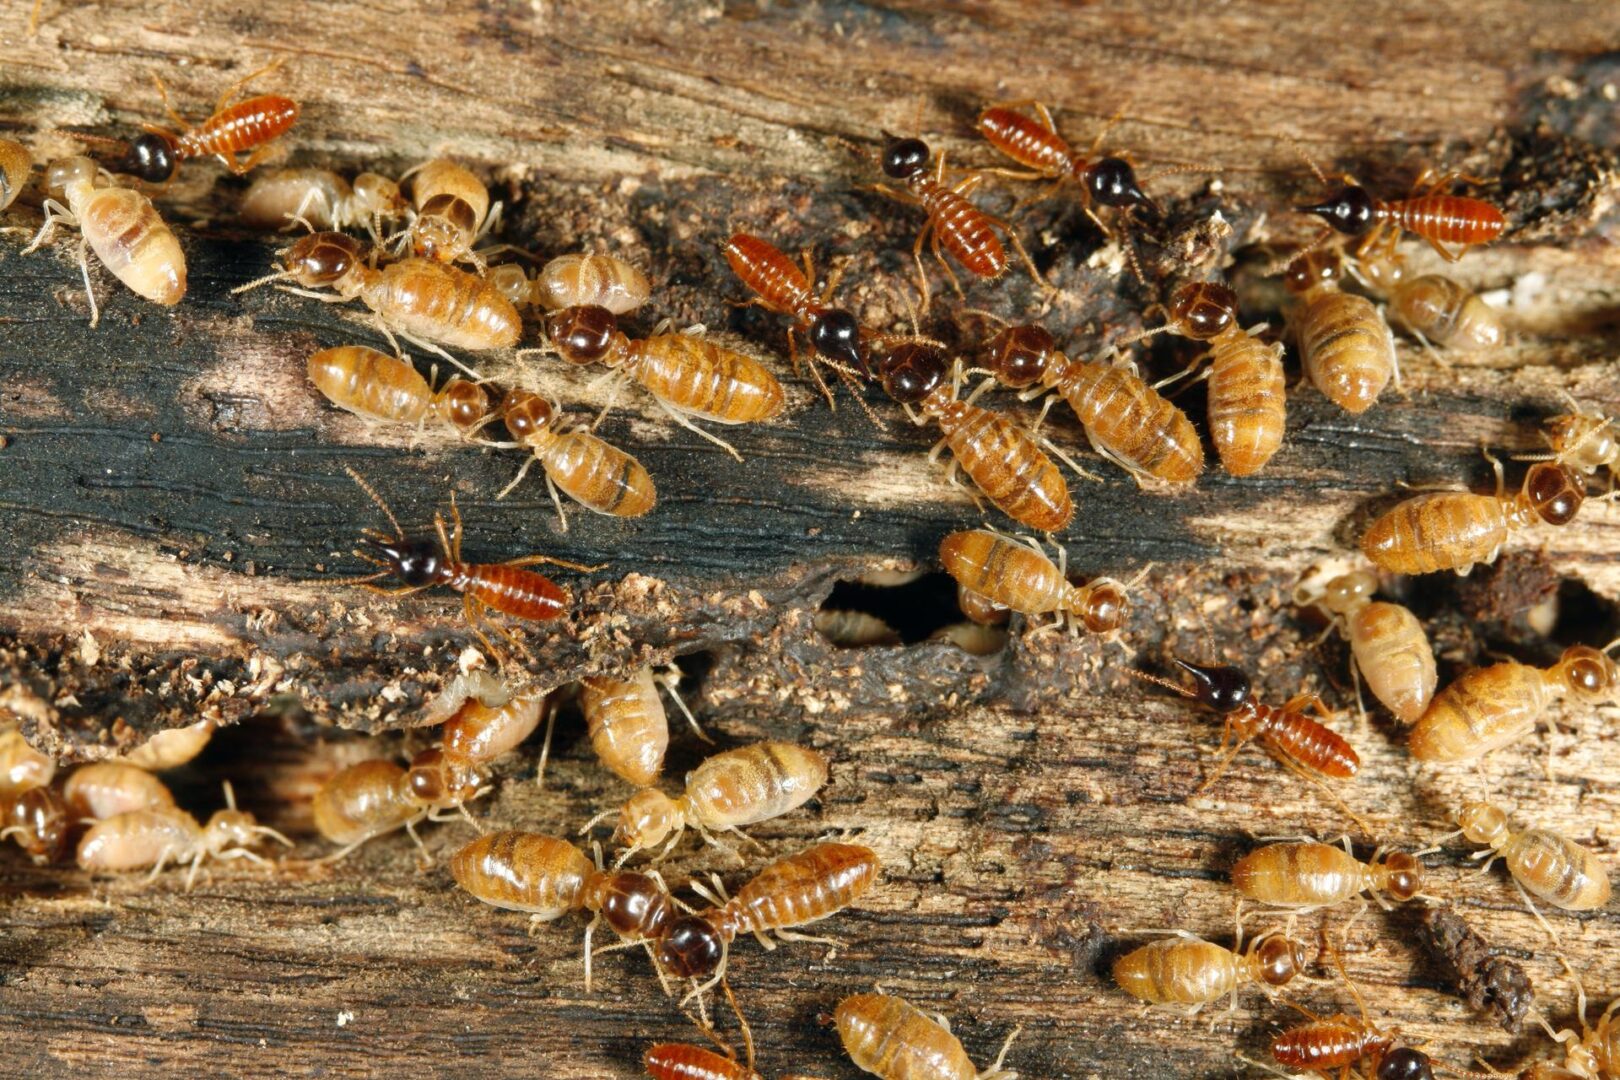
<point x="1331" y="1043"/>
<point x="1346" y="347"/>
<point x="124" y="230"/>
<point x="599" y="475"/>
<point x="443" y="304"/>
<point x="701" y="378"/>
<point x="678" y="1061"/>
<point x="1448" y="219"/>
<point x="817" y="882"/>
<point x="770" y="273"/>
<point x="370" y="383"/>
<point x="511" y="590"/>
<point x="1441" y="531"/>
<point x="1003" y="570"/>
<point x="523" y="871"/>
<point x="1558" y="870"/>
<point x="1178" y="971"/>
<point x="242" y="126"/>
<point x="964" y="231"/>
<point x="1133" y="421"/>
<point x="1007" y="465"/>
<point x="894" y="1040"/>
<point x="1306" y="742"/>
<point x="1025" y="140"/>
<point x="628" y="727"/>
<point x="1248" y="405"/>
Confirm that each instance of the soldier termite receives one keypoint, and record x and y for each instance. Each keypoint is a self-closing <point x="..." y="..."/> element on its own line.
<point x="1345" y="346"/>
<point x="1306" y="875"/>
<point x="1341" y="1041"/>
<point x="728" y="790"/>
<point x="158" y="836"/>
<point x="1388" y="646"/>
<point x="1248" y="407"/>
<point x="628" y="726"/>
<point x="575" y="281"/>
<point x="1544" y="864"/>
<point x="1453" y="530"/>
<point x="171" y="748"/>
<point x="679" y="1061"/>
<point x="1431" y="307"/>
<point x="780" y="286"/>
<point x="595" y="473"/>
<point x="321" y="199"/>
<point x="505" y="587"/>
<point x="1035" y="143"/>
<point x="107" y="788"/>
<point x="15" y="165"/>
<point x="996" y="571"/>
<point x="21" y="766"/>
<point x="1006" y="462"/>
<point x="892" y="1039"/>
<point x="376" y="386"/>
<point x="121" y="226"/>
<point x="687" y="374"/>
<point x="251" y="125"/>
<point x="1126" y="420"/>
<point x="452" y="212"/>
<point x="1186" y="971"/>
<point x="1485" y="709"/>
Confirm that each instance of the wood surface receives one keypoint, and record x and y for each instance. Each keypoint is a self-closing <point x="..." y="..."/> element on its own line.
<point x="174" y="496"/>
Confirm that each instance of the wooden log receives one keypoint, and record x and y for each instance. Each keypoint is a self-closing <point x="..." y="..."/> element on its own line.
<point x="178" y="508"/>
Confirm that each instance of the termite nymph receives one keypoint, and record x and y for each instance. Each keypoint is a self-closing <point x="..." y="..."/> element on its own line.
<point x="1388" y="646"/>
<point x="252" y="125"/>
<point x="15" y="165"/>
<point x="1307" y="875"/>
<point x="892" y="1039"/>
<point x="595" y="473"/>
<point x="21" y="766"/>
<point x="171" y="748"/>
<point x="627" y="724"/>
<point x="158" y="836"/>
<point x="1581" y="440"/>
<point x="120" y="225"/>
<point x="321" y="199"/>
<point x="1345" y="346"/>
<point x="1593" y="1053"/>
<point x="1017" y="576"/>
<point x="1186" y="971"/>
<point x="1431" y="307"/>
<point x="579" y="280"/>
<point x="38" y="819"/>
<point x="452" y="212"/>
<point x="1544" y="864"/>
<point x="376" y="386"/>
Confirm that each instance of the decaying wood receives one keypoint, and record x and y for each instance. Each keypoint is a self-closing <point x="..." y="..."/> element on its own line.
<point x="175" y="497"/>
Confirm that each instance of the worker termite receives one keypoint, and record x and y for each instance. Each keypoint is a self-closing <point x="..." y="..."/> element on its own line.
<point x="595" y="473"/>
<point x="21" y="766"/>
<point x="107" y="788"/>
<point x="160" y="835"/>
<point x="376" y="386"/>
<point x="729" y="790"/>
<point x="1388" y="646"/>
<point x="121" y="226"/>
<point x="1581" y="440"/>
<point x="575" y="281"/>
<point x="1126" y="420"/>
<point x="505" y="587"/>
<point x="679" y="1061"/>
<point x="892" y="1039"/>
<point x="1005" y="461"/>
<point x="15" y="165"/>
<point x="687" y="374"/>
<point x="1485" y="709"/>
<point x="372" y="798"/>
<point x="1593" y="1054"/>
<point x="1345" y="346"/>
<point x="995" y="569"/>
<point x="38" y="819"/>
<point x="1544" y="864"/>
<point x="1431" y="307"/>
<point x="779" y="285"/>
<point x="1453" y="530"/>
<point x="1307" y="875"/>
<point x="321" y="199"/>
<point x="171" y="748"/>
<point x="251" y="125"/>
<point x="954" y="224"/>
<point x="452" y="212"/>
<point x="628" y="727"/>
<point x="1185" y="970"/>
<point x="1248" y="406"/>
<point x="424" y="301"/>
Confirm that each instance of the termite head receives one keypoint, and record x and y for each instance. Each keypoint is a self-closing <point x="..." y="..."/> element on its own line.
<point x="1224" y="689"/>
<point x="439" y="779"/>
<point x="1403" y="876"/>
<point x="1102" y="607"/>
<point x="1554" y="491"/>
<point x="1404" y="1063"/>
<point x="1583" y="441"/>
<point x="464" y="404"/>
<point x="38" y="819"/>
<point x="1592" y="675"/>
<point x="444" y="225"/>
<point x="229" y="829"/>
<point x="582" y="334"/>
<point x="1203" y="310"/>
<point x="322" y="258"/>
<point x="512" y="283"/>
<point x="1280" y="959"/>
<point x="912" y="371"/>
<point x="1310" y="270"/>
<point x="417" y="563"/>
<point x="1341" y="595"/>
<point x="1020" y="355"/>
<point x="1351" y="210"/>
<point x="905" y="158"/>
<point x="376" y="194"/>
<point x="635" y="905"/>
<point x="836" y="334"/>
<point x="1112" y="182"/>
<point x="1484" y="823"/>
<point x="648" y="817"/>
<point x="691" y="948"/>
<point x="151" y="157"/>
<point x="65" y="172"/>
<point x="526" y="414"/>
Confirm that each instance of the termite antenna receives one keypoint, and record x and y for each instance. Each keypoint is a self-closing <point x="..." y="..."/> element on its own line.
<point x="1159" y="680"/>
<point x="376" y="498"/>
<point x="279" y="275"/>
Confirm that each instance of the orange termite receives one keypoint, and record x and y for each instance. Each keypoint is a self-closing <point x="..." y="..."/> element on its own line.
<point x="1431" y="307"/>
<point x="1427" y="212"/>
<point x="247" y="125"/>
<point x="1593" y="1054"/>
<point x="1187" y="971"/>
<point x="1345" y="346"/>
<point x="15" y="165"/>
<point x="376" y="386"/>
<point x="1307" y="875"/>
<point x="1001" y="572"/>
<point x="1388" y="646"/>
<point x="39" y="820"/>
<point x="1585" y="441"/>
<point x="1341" y="1041"/>
<point x="418" y="564"/>
<point x="595" y="473"/>
<point x="1546" y="864"/>
<point x="628" y="727"/>
<point x="1035" y="143"/>
<point x="680" y="1061"/>
<point x="892" y="1039"/>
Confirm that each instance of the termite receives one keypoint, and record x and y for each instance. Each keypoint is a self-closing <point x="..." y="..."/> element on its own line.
<point x="1035" y="143"/>
<point x="1432" y="307"/>
<point x="575" y="281"/>
<point x="484" y="728"/>
<point x="1544" y="864"/>
<point x="688" y="375"/>
<point x="954" y="224"/>
<point x="171" y="748"/>
<point x="627" y="724"/>
<point x="107" y="788"/>
<point x="1581" y="440"/>
<point x="1248" y="406"/>
<point x="1126" y="420"/>
<point x="426" y="302"/>
<point x="1005" y="461"/>
<point x="1345" y="346"/>
<point x="727" y="791"/>
<point x="15" y="165"/>
<point x="595" y="473"/>
<point x="452" y="212"/>
<point x="120" y="225"/>
<point x="1438" y="218"/>
<point x="892" y="1039"/>
<point x="321" y="199"/>
<point x="1306" y="875"/>
<point x="376" y="386"/>
<point x="372" y="798"/>
<point x="251" y="125"/>
<point x="1187" y="971"/>
<point x="505" y="587"/>
<point x="158" y="836"/>
<point x="680" y="1061"/>
<point x="21" y="766"/>
<point x="1593" y="1054"/>
<point x="39" y="820"/>
<point x="996" y="571"/>
<point x="1341" y="1041"/>
<point x="1453" y="530"/>
<point x="779" y="285"/>
<point x="1388" y="646"/>
<point x="1488" y="708"/>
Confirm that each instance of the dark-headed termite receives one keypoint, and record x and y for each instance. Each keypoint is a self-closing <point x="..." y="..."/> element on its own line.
<point x="370" y="799"/>
<point x="995" y="569"/>
<point x="21" y="766"/>
<point x="780" y="286"/>
<point x="628" y="726"/>
<point x="1248" y="406"/>
<point x="1485" y="709"/>
<point x="1345" y="346"/>
<point x="688" y="374"/>
<point x="1388" y="646"/>
<point x="377" y="386"/>
<point x="594" y="472"/>
<point x="120" y="225"/>
<point x="1003" y="459"/>
<point x="452" y="212"/>
<point x="505" y="587"/>
<point x="171" y="748"/>
<point x="160" y="835"/>
<point x="731" y="789"/>
<point x="1187" y="971"/>
<point x="1035" y="143"/>
<point x="575" y="281"/>
<point x="15" y="165"/>
<point x="1431" y="307"/>
<point x="250" y="125"/>
<point x="1307" y="875"/>
<point x="892" y="1039"/>
<point x="1544" y="864"/>
<point x="107" y="788"/>
<point x="1126" y="420"/>
<point x="1453" y="530"/>
<point x="680" y="1061"/>
<point x="321" y="199"/>
<point x="1341" y="1041"/>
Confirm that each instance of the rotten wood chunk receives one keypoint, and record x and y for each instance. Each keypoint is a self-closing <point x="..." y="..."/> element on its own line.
<point x="1486" y="981"/>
